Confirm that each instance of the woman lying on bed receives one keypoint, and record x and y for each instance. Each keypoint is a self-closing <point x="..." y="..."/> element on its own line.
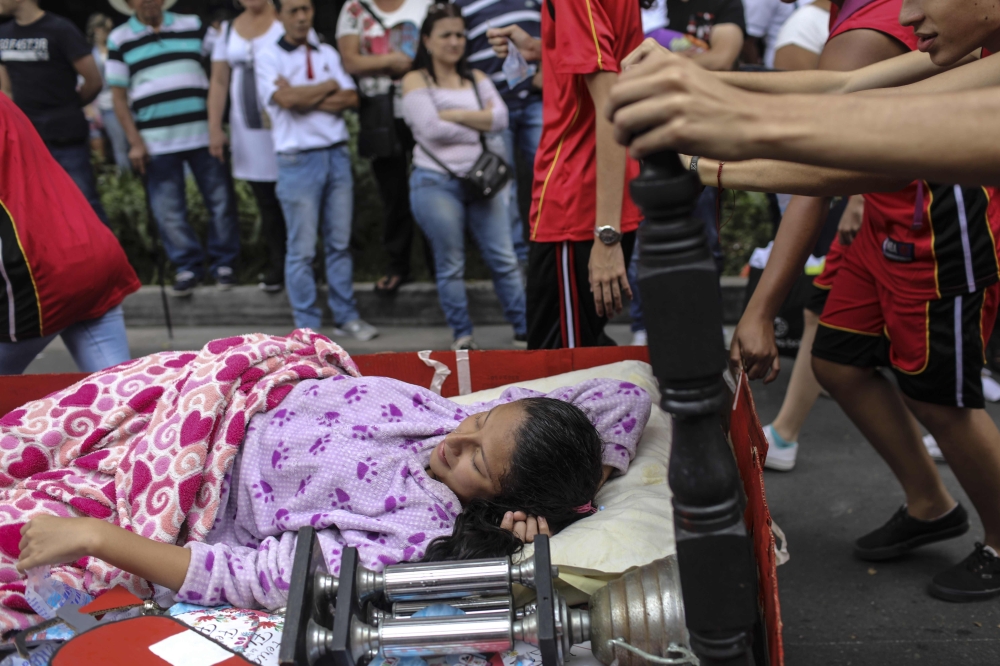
<point x="390" y="468"/>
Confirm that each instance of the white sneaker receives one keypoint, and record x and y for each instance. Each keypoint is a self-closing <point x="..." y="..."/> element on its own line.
<point x="779" y="458"/>
<point x="933" y="449"/>
<point x="358" y="329"/>
<point x="465" y="342"/>
<point x="640" y="339"/>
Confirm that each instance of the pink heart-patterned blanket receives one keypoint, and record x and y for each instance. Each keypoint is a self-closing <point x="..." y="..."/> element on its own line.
<point x="146" y="445"/>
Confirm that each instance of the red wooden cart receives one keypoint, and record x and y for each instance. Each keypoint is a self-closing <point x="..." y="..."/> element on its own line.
<point x="489" y="369"/>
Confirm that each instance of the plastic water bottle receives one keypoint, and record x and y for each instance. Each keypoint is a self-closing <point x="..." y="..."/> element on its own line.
<point x="46" y="595"/>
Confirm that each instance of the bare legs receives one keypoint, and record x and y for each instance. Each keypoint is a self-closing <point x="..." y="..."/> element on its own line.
<point x="878" y="410"/>
<point x="803" y="389"/>
<point x="971" y="443"/>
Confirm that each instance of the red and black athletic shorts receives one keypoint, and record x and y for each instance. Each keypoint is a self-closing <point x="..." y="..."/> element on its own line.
<point x="935" y="348"/>
<point x="561" y="311"/>
<point x="821" y="286"/>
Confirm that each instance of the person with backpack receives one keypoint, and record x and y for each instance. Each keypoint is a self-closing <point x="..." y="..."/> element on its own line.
<point x="253" y="158"/>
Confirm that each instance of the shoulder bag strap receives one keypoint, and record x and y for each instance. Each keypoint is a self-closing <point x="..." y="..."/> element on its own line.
<point x="479" y="100"/>
<point x="371" y="12"/>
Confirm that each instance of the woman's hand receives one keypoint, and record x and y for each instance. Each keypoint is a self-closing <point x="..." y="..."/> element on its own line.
<point x="452" y="115"/>
<point x="524" y="527"/>
<point x="52" y="540"/>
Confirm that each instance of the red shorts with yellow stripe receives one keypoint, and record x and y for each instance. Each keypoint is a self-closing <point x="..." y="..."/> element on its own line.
<point x="823" y="283"/>
<point x="935" y="348"/>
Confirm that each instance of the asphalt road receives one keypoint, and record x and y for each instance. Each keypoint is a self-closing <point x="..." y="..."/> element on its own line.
<point x="840" y="610"/>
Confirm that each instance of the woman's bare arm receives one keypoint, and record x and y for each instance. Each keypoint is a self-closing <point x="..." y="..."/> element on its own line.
<point x="48" y="540"/>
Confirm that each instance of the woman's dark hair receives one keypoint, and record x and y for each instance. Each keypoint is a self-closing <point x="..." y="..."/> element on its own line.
<point x="555" y="469"/>
<point x="423" y="60"/>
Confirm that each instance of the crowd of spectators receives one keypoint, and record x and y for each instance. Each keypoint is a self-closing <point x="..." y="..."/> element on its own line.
<point x="260" y="98"/>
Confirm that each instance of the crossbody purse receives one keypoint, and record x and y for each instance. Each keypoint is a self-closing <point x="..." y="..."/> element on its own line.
<point x="488" y="175"/>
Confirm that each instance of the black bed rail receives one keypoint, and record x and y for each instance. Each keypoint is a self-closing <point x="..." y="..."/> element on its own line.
<point x="680" y="291"/>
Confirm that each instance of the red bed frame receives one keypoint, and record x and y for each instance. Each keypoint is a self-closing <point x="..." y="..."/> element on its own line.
<point x="489" y="369"/>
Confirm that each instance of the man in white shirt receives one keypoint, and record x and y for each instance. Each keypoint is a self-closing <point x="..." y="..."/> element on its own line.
<point x="304" y="89"/>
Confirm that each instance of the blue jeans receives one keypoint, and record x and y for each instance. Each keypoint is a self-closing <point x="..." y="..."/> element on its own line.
<point x="444" y="211"/>
<point x="95" y="345"/>
<point x="75" y="159"/>
<point x="524" y="132"/>
<point x="119" y="142"/>
<point x="316" y="191"/>
<point x="165" y="182"/>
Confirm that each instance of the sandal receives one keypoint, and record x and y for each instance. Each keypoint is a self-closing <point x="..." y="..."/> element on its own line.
<point x="388" y="285"/>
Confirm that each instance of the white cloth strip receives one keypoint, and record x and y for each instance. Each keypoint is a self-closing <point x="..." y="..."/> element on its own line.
<point x="464" y="374"/>
<point x="441" y="371"/>
<point x="780" y="554"/>
<point x="963" y="224"/>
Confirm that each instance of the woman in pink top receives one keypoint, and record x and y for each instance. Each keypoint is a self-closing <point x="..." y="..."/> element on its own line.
<point x="447" y="106"/>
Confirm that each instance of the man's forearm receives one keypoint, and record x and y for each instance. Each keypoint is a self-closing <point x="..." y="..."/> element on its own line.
<point x="611" y="157"/>
<point x="945" y="138"/>
<point x="773" y="176"/>
<point x="160" y="563"/>
<point x="800" y="227"/>
<point x="339" y="101"/>
<point x="804" y="81"/>
<point x="124" y="115"/>
<point x="304" y="98"/>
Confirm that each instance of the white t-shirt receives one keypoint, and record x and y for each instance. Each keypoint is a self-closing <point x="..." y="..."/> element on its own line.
<point x="293" y="131"/>
<point x="250" y="141"/>
<point x="404" y="35"/>
<point x="808" y="28"/>
<point x="764" y="19"/>
<point x="655" y="17"/>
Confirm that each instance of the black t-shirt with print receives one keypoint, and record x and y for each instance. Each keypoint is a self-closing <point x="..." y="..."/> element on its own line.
<point x="696" y="17"/>
<point x="39" y="58"/>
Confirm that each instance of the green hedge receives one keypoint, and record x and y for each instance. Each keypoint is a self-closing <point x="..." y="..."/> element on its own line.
<point x="125" y="203"/>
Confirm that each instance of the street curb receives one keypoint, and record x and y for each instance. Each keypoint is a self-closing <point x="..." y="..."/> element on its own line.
<point x="415" y="304"/>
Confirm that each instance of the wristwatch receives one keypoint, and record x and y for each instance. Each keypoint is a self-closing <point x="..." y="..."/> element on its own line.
<point x="608" y="234"/>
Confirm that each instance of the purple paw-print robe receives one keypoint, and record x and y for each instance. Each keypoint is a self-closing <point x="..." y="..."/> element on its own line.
<point x="347" y="456"/>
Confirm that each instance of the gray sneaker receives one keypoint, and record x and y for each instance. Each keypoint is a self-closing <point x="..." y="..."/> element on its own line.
<point x="358" y="329"/>
<point x="464" y="343"/>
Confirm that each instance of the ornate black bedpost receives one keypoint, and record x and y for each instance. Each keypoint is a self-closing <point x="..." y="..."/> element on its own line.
<point x="683" y="315"/>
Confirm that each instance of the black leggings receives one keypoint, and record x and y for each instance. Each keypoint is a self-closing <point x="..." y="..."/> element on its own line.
<point x="272" y="227"/>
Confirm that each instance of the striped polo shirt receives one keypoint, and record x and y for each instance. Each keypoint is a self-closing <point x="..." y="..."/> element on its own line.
<point x="163" y="73"/>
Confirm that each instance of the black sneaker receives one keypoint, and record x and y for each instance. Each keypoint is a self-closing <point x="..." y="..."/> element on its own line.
<point x="184" y="284"/>
<point x="520" y="341"/>
<point x="903" y="533"/>
<point x="975" y="578"/>
<point x="272" y="282"/>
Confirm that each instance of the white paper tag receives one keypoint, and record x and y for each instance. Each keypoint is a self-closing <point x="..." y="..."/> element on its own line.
<point x="189" y="648"/>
